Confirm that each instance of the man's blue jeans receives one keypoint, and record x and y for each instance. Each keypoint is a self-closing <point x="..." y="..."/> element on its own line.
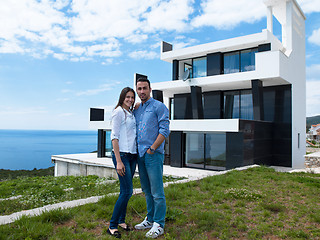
<point x="151" y="172"/>
<point x="126" y="188"/>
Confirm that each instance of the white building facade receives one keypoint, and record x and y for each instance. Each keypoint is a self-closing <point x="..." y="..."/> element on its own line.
<point x="239" y="101"/>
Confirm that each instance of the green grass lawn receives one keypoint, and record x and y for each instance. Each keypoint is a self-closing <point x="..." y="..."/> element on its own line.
<point x="257" y="203"/>
<point x="40" y="191"/>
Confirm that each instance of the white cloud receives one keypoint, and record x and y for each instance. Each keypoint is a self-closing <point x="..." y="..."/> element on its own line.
<point x="227" y="14"/>
<point x="309" y="6"/>
<point x="137" y="38"/>
<point x="313" y="97"/>
<point x="315" y="37"/>
<point x="110" y="49"/>
<point x="102" y="88"/>
<point x="182" y="42"/>
<point x="143" y="55"/>
<point x="60" y="56"/>
<point x="313" y="71"/>
<point x="169" y="15"/>
<point x="10" y="47"/>
<point x="81" y="30"/>
<point x="66" y="114"/>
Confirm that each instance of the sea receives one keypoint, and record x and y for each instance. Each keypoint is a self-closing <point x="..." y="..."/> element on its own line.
<point x="30" y="149"/>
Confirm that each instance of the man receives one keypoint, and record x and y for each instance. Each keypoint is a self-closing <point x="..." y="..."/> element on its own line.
<point x="152" y="118"/>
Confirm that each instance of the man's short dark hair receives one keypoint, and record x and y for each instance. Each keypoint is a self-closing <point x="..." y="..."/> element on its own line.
<point x="143" y="80"/>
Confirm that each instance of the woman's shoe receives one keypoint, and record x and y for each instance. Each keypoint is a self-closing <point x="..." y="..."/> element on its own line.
<point x="116" y="234"/>
<point x="127" y="228"/>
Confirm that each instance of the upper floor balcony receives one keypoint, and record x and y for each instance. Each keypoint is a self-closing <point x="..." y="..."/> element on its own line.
<point x="226" y="65"/>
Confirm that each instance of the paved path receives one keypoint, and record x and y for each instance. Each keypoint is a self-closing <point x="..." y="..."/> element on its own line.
<point x="189" y="173"/>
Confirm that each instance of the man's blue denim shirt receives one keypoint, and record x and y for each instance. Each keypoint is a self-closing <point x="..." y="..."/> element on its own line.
<point x="152" y="118"/>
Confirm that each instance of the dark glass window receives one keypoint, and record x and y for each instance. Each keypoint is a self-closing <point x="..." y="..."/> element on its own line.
<point x="182" y="106"/>
<point x="231" y="104"/>
<point x="238" y="104"/>
<point x="269" y="97"/>
<point x="206" y="151"/>
<point x="188" y="67"/>
<point x="195" y="150"/>
<point x="212" y="105"/>
<point x="215" y="151"/>
<point x="171" y="108"/>
<point x="247" y="59"/>
<point x="246" y="105"/>
<point x="231" y="62"/>
<point x="287" y="106"/>
<point x="199" y="68"/>
<point x="277" y="104"/>
<point x="240" y="61"/>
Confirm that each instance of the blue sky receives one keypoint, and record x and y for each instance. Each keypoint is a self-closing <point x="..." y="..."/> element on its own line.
<point x="59" y="58"/>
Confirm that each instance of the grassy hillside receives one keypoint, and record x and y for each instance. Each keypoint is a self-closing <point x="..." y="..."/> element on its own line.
<point x="13" y="174"/>
<point x="257" y="203"/>
<point x="312" y="120"/>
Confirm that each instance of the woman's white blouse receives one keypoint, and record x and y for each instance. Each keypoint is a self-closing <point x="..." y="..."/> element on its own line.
<point x="123" y="125"/>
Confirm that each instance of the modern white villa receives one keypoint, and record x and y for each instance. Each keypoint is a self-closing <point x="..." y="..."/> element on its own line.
<point x="235" y="102"/>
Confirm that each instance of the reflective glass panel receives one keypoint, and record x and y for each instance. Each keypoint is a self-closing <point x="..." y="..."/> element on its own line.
<point x="269" y="104"/>
<point x="248" y="59"/>
<point x="199" y="68"/>
<point x="216" y="151"/>
<point x="231" y="62"/>
<point x="171" y="108"/>
<point x="195" y="150"/>
<point x="246" y="111"/>
<point x="231" y="104"/>
<point x="188" y="67"/>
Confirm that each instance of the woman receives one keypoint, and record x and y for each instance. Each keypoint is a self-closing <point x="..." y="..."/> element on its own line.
<point x="124" y="156"/>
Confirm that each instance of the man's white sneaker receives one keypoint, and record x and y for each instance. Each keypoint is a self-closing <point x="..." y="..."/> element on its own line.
<point x="155" y="231"/>
<point x="143" y="225"/>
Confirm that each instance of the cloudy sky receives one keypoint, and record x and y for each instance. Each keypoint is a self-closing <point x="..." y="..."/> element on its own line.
<point x="59" y="58"/>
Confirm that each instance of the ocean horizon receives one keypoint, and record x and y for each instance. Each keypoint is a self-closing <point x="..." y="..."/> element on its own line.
<point x="29" y="149"/>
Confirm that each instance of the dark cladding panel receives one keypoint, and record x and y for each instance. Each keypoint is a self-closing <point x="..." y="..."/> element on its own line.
<point x="212" y="105"/>
<point x="196" y="99"/>
<point x="182" y="106"/>
<point x="175" y="70"/>
<point x="158" y="95"/>
<point x="214" y="64"/>
<point x="96" y="114"/>
<point x="264" y="47"/>
<point x="137" y="76"/>
<point x="166" y="47"/>
<point x="257" y="99"/>
<point x="101" y="143"/>
<point x="176" y="148"/>
<point x="234" y="156"/>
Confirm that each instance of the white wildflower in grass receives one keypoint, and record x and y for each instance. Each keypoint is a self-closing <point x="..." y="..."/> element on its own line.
<point x="243" y="193"/>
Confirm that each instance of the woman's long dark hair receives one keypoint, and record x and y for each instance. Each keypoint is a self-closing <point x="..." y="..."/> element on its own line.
<point x="123" y="96"/>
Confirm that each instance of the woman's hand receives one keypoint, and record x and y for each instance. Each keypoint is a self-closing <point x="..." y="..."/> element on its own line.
<point x="121" y="170"/>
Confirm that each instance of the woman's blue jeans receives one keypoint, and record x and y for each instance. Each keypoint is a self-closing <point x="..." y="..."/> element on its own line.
<point x="126" y="188"/>
<point x="151" y="173"/>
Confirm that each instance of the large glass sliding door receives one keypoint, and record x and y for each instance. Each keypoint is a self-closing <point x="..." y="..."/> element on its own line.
<point x="215" y="151"/>
<point x="195" y="150"/>
<point x="207" y="151"/>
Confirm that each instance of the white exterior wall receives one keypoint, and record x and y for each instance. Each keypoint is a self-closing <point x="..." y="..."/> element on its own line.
<point x="297" y="75"/>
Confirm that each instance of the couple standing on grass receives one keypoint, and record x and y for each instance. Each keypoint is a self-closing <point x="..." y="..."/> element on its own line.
<point x="138" y="136"/>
